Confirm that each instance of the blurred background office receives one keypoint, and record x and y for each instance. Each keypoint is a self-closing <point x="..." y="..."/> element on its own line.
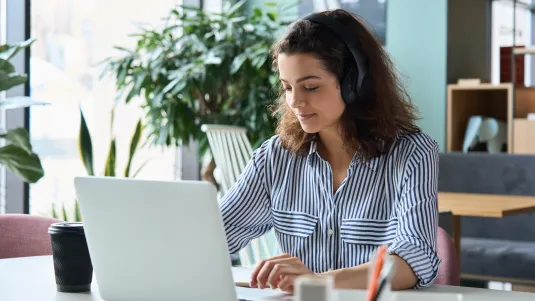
<point x="127" y="86"/>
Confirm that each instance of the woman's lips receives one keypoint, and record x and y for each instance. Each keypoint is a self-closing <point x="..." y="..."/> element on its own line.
<point x="304" y="116"/>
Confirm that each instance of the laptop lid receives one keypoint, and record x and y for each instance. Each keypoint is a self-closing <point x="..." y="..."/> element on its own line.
<point x="155" y="240"/>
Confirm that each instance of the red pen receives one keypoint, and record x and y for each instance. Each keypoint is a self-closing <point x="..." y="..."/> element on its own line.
<point x="376" y="273"/>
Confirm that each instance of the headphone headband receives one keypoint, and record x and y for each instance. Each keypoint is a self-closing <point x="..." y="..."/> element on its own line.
<point x="351" y="42"/>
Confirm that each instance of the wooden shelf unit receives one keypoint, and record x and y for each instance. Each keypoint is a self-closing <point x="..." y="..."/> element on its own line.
<point x="489" y="100"/>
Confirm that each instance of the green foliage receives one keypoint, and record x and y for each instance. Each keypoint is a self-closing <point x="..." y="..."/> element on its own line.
<point x="85" y="148"/>
<point x="17" y="155"/>
<point x="202" y="68"/>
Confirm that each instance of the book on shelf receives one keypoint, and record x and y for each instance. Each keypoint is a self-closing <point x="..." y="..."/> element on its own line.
<point x="505" y="66"/>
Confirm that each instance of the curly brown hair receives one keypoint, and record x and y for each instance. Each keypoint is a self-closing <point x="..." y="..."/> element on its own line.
<point x="370" y="126"/>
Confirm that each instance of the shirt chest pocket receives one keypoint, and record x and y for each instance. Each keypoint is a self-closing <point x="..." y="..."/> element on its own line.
<point x="294" y="223"/>
<point x="368" y="231"/>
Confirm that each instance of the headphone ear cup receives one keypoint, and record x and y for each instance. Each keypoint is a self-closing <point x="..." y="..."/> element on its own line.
<point x="349" y="86"/>
<point x="365" y="91"/>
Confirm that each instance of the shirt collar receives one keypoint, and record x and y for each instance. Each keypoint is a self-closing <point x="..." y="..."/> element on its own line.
<point x="372" y="163"/>
<point x="313" y="147"/>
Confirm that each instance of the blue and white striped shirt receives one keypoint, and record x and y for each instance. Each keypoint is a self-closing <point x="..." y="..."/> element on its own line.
<point x="391" y="199"/>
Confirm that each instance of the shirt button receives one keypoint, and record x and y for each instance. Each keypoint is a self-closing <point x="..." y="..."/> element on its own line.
<point x="330" y="232"/>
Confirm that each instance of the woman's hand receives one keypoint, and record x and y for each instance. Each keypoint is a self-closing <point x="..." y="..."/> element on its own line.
<point x="278" y="272"/>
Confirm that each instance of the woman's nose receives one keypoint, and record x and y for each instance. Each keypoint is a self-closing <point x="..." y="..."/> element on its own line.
<point x="296" y="100"/>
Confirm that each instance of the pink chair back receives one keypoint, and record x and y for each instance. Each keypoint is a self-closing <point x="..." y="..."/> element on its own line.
<point x="448" y="271"/>
<point x="23" y="235"/>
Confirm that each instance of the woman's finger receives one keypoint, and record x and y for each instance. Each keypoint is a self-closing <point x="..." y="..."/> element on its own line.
<point x="257" y="269"/>
<point x="261" y="279"/>
<point x="286" y="283"/>
<point x="259" y="266"/>
<point x="265" y="271"/>
<point x="278" y="271"/>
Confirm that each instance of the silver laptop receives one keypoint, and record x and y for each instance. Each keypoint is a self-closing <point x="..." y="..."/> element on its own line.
<point x="155" y="240"/>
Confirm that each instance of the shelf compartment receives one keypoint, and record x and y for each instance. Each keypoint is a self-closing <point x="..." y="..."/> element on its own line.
<point x="464" y="101"/>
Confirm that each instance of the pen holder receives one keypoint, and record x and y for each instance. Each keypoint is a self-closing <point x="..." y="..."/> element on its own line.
<point x="380" y="275"/>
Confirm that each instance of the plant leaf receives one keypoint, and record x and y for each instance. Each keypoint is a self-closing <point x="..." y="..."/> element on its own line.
<point x="213" y="60"/>
<point x="128" y="51"/>
<point x="19" y="137"/>
<point x="237" y="63"/>
<point x="109" y="169"/>
<point x="272" y="16"/>
<point x="8" y="51"/>
<point x="235" y="7"/>
<point x="134" y="143"/>
<point x="64" y="212"/>
<point x="138" y="170"/>
<point x="17" y="102"/>
<point x="257" y="12"/>
<point x="54" y="213"/>
<point x="77" y="215"/>
<point x="6" y="66"/>
<point x="17" y="160"/>
<point x="85" y="146"/>
<point x="10" y="80"/>
<point x="171" y="85"/>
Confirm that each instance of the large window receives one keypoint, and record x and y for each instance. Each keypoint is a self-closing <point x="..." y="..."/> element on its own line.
<point x="502" y="34"/>
<point x="73" y="36"/>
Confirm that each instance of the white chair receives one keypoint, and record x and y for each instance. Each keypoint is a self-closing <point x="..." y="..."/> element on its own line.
<point x="231" y="151"/>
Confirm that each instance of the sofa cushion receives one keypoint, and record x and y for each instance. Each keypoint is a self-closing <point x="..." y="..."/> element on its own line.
<point x="498" y="258"/>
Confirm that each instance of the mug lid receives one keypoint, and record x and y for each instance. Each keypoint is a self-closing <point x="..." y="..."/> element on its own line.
<point x="67" y="228"/>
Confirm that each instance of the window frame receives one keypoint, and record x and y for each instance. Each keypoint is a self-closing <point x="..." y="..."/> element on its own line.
<point x="532" y="63"/>
<point x="15" y="24"/>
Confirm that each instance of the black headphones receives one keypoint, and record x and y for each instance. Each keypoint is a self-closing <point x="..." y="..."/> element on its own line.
<point x="354" y="83"/>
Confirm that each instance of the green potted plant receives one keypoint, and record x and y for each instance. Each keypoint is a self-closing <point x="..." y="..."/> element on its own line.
<point x="17" y="154"/>
<point x="85" y="148"/>
<point x="202" y="68"/>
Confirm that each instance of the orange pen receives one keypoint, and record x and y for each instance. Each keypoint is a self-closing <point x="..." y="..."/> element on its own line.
<point x="374" y="280"/>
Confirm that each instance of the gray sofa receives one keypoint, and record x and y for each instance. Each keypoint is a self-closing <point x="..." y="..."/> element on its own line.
<point x="493" y="247"/>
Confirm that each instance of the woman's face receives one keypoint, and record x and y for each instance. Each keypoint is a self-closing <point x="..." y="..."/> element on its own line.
<point x="312" y="92"/>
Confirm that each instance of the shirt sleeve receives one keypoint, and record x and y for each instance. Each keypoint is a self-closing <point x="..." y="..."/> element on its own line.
<point x="415" y="240"/>
<point x="245" y="208"/>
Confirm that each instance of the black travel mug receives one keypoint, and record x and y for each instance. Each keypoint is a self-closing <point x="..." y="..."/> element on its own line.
<point x="72" y="264"/>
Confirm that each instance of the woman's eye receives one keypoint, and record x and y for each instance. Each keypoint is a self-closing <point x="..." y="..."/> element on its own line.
<point x="287" y="88"/>
<point x="311" y="88"/>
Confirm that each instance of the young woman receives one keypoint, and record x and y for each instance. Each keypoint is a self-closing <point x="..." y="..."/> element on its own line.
<point x="348" y="170"/>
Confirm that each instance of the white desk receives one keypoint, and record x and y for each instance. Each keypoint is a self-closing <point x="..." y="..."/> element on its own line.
<point x="32" y="278"/>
